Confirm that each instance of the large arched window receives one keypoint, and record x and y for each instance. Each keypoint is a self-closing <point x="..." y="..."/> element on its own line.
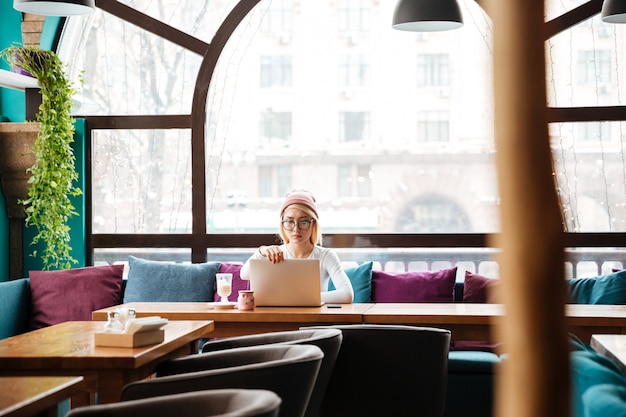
<point x="326" y="96"/>
<point x="307" y="94"/>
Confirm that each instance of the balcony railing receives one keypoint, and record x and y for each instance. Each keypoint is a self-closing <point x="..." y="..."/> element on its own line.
<point x="392" y="253"/>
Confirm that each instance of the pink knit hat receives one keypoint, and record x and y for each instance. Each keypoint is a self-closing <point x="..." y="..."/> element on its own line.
<point x="303" y="197"/>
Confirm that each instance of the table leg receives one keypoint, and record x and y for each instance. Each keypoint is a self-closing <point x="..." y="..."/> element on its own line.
<point x="82" y="399"/>
<point x="110" y="385"/>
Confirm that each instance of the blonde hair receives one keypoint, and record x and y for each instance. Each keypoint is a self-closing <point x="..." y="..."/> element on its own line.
<point x="316" y="233"/>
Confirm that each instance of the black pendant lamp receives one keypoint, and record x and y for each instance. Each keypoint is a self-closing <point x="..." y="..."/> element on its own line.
<point x="614" y="11"/>
<point x="427" y="15"/>
<point x="55" y="7"/>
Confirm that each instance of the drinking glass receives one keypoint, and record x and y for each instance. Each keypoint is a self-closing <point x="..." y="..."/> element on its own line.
<point x="224" y="286"/>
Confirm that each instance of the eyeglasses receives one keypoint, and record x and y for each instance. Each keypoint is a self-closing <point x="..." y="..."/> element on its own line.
<point x="302" y="224"/>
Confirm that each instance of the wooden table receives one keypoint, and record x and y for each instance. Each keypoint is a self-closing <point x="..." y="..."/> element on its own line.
<point x="469" y="321"/>
<point x="612" y="346"/>
<point x="232" y="322"/>
<point x="68" y="349"/>
<point x="466" y="321"/>
<point x="29" y="396"/>
<point x="585" y="320"/>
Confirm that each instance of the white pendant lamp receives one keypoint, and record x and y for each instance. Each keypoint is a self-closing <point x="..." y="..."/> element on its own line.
<point x="427" y="15"/>
<point x="614" y="11"/>
<point x="55" y="7"/>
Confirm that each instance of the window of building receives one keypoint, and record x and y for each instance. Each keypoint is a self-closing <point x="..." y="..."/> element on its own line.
<point x="275" y="71"/>
<point x="266" y="180"/>
<point x="354" y="180"/>
<point x="363" y="187"/>
<point x="432" y="213"/>
<point x="433" y="70"/>
<point x="354" y="126"/>
<point x="274" y="180"/>
<point x="279" y="18"/>
<point x="275" y="126"/>
<point x="344" y="179"/>
<point x="594" y="132"/>
<point x="594" y="66"/>
<point x="433" y="126"/>
<point x="354" y="15"/>
<point x="354" y="70"/>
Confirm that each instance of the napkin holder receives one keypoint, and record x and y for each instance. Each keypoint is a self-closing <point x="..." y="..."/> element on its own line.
<point x="130" y="340"/>
<point x="137" y="335"/>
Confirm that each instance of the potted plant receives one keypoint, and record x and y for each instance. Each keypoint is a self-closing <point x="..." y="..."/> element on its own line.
<point x="52" y="177"/>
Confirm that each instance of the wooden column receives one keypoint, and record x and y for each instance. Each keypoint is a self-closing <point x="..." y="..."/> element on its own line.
<point x="534" y="380"/>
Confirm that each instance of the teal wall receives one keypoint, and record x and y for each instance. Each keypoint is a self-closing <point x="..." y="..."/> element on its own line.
<point x="10" y="32"/>
<point x="12" y="108"/>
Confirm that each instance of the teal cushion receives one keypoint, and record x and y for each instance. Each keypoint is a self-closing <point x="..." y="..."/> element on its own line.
<point x="603" y="289"/>
<point x="361" y="279"/>
<point x="576" y="344"/>
<point x="164" y="281"/>
<point x="472" y="362"/>
<point x="589" y="369"/>
<point x="605" y="400"/>
<point x="15" y="307"/>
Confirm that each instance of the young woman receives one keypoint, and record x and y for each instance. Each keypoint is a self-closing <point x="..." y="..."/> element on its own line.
<point x="302" y="239"/>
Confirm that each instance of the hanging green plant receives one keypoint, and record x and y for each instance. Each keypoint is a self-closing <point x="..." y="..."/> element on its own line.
<point x="48" y="206"/>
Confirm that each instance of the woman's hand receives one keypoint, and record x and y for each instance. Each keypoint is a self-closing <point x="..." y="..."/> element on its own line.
<point x="272" y="253"/>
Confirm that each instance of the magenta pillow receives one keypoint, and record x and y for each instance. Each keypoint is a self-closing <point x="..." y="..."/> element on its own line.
<point x="72" y="294"/>
<point x="414" y="287"/>
<point x="237" y="283"/>
<point x="476" y="288"/>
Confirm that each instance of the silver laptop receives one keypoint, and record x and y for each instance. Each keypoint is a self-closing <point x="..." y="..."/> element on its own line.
<point x="290" y="283"/>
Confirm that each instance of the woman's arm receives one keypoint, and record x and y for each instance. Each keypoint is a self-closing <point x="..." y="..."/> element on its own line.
<point x="272" y="253"/>
<point x="245" y="269"/>
<point x="343" y="292"/>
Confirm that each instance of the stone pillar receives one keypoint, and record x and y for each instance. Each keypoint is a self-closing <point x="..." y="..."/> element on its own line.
<point x="32" y="25"/>
<point x="16" y="156"/>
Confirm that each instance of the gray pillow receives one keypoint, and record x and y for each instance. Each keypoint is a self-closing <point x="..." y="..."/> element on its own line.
<point x="164" y="281"/>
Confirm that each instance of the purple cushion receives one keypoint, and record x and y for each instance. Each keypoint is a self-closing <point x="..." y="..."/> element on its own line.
<point x="477" y="288"/>
<point x="475" y="345"/>
<point x="414" y="287"/>
<point x="72" y="294"/>
<point x="237" y="283"/>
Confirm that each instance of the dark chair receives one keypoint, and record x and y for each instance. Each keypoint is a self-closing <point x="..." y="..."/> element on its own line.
<point x="388" y="370"/>
<point x="289" y="371"/>
<point x="328" y="340"/>
<point x="221" y="402"/>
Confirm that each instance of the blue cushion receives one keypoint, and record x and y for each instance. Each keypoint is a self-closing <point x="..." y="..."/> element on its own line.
<point x="590" y="369"/>
<point x="576" y="344"/>
<point x="163" y="281"/>
<point x="15" y="306"/>
<point x="361" y="279"/>
<point x="605" y="400"/>
<point x="603" y="289"/>
<point x="472" y="362"/>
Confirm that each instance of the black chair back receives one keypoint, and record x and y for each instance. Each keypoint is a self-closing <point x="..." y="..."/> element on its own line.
<point x="328" y="340"/>
<point x="388" y="370"/>
<point x="212" y="403"/>
<point x="289" y="371"/>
